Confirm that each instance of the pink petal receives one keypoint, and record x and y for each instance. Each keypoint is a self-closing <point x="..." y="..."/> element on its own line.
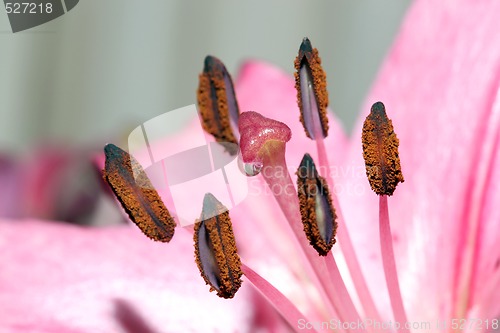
<point x="440" y="86"/>
<point x="62" y="278"/>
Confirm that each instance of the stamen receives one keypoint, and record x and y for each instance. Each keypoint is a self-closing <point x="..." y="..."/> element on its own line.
<point x="217" y="103"/>
<point x="380" y="150"/>
<point x="215" y="249"/>
<point x="312" y="96"/>
<point x="137" y="195"/>
<point x="316" y="209"/>
<point x="343" y="235"/>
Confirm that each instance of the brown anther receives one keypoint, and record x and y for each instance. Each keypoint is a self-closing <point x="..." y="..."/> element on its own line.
<point x="215" y="249"/>
<point x="316" y="208"/>
<point x="313" y="83"/>
<point x="217" y="103"/>
<point x="380" y="150"/>
<point x="137" y="195"/>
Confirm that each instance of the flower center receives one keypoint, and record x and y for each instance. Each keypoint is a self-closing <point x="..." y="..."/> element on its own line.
<point x="313" y="212"/>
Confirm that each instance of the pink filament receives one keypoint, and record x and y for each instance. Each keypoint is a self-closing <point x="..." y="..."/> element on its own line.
<point x="351" y="259"/>
<point x="391" y="274"/>
<point x="282" y="304"/>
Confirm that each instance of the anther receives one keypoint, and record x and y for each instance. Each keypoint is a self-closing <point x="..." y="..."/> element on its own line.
<point x="312" y="96"/>
<point x="316" y="209"/>
<point x="217" y="103"/>
<point x="380" y="151"/>
<point x="137" y="195"/>
<point x="215" y="249"/>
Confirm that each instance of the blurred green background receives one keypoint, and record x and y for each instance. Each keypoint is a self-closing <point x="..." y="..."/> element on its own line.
<point x="107" y="66"/>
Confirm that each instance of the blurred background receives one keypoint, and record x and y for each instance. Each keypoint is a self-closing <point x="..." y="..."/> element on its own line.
<point x="105" y="67"/>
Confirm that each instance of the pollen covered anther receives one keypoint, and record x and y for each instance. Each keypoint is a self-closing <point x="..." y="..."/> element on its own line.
<point x="380" y="151"/>
<point x="312" y="95"/>
<point x="217" y="103"/>
<point x="316" y="208"/>
<point x="137" y="195"/>
<point x="215" y="249"/>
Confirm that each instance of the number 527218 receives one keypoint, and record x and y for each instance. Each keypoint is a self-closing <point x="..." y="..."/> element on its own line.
<point x="28" y="8"/>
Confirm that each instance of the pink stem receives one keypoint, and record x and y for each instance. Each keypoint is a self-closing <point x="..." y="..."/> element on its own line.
<point x="276" y="174"/>
<point x="282" y="304"/>
<point x="351" y="259"/>
<point x="391" y="274"/>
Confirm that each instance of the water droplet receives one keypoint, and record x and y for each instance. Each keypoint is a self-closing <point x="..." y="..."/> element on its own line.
<point x="252" y="169"/>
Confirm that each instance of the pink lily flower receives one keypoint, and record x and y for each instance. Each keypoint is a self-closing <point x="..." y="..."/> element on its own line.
<point x="440" y="84"/>
<point x="443" y="218"/>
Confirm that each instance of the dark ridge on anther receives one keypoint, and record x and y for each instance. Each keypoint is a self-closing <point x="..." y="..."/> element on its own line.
<point x="215" y="249"/>
<point x="212" y="64"/>
<point x="134" y="190"/>
<point x="313" y="83"/>
<point x="316" y="208"/>
<point x="217" y="103"/>
<point x="380" y="151"/>
<point x="305" y="48"/>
